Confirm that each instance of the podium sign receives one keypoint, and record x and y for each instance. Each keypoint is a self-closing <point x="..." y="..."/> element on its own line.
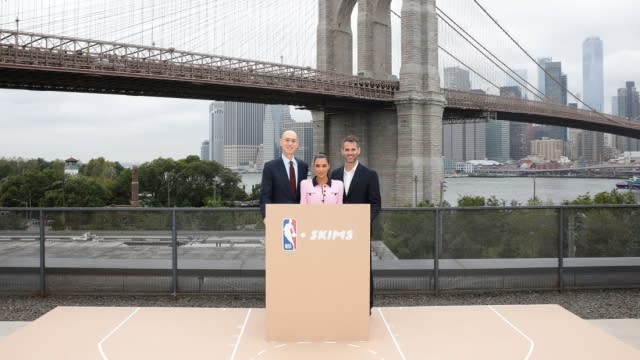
<point x="317" y="272"/>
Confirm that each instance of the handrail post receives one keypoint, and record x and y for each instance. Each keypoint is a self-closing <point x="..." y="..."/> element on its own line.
<point x="561" y="248"/>
<point x="436" y="247"/>
<point x="43" y="287"/>
<point x="174" y="253"/>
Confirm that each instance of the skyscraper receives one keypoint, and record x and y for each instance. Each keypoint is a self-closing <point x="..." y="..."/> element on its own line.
<point x="453" y="134"/>
<point x="457" y="78"/>
<point x="519" y="82"/>
<point x="593" y="91"/>
<point x="274" y="117"/>
<point x="628" y="106"/>
<point x="205" y="153"/>
<point x="216" y="131"/>
<point x="541" y="75"/>
<point x="462" y="141"/>
<point x="592" y="73"/>
<point x="614" y="106"/>
<point x="305" y="139"/>
<point x="555" y="84"/>
<point x="497" y="140"/>
<point x="238" y="127"/>
<point x="498" y="131"/>
<point x="632" y="103"/>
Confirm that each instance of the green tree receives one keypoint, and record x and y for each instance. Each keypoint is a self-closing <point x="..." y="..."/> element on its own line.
<point x="120" y="188"/>
<point x="468" y="200"/>
<point x="189" y="182"/>
<point x="77" y="191"/>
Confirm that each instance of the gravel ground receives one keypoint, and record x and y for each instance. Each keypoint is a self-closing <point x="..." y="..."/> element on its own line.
<point x="588" y="304"/>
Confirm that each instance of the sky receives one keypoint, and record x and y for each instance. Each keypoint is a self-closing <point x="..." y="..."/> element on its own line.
<point x="133" y="130"/>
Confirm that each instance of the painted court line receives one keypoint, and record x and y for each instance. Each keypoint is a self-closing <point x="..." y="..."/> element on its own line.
<point x="531" y="343"/>
<point x="102" y="354"/>
<point x="391" y="334"/>
<point x="235" y="348"/>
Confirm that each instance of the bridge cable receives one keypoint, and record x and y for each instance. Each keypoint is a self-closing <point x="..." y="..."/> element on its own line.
<point x="460" y="61"/>
<point x="468" y="36"/>
<point x="532" y="59"/>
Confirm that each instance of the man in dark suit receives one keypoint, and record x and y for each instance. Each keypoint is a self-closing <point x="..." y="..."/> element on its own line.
<point x="361" y="185"/>
<point x="281" y="177"/>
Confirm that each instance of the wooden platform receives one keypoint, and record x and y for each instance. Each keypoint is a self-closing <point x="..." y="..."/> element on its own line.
<point x="438" y="332"/>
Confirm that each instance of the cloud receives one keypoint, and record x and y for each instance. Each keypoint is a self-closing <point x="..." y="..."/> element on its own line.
<point x="120" y="128"/>
<point x="136" y="129"/>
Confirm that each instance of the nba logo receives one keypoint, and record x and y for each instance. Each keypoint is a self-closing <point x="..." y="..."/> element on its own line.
<point x="289" y="234"/>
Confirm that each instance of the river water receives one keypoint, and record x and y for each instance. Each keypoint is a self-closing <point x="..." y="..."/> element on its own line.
<point x="520" y="189"/>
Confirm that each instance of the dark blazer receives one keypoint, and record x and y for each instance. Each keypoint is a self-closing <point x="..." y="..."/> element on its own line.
<point x="364" y="188"/>
<point x="274" y="188"/>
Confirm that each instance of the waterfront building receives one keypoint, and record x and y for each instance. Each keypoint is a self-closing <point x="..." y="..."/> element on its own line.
<point x="498" y="132"/>
<point x="498" y="141"/>
<point x="550" y="149"/>
<point x="465" y="140"/>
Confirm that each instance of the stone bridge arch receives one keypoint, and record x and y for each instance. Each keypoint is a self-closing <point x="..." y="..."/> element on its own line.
<point x="403" y="143"/>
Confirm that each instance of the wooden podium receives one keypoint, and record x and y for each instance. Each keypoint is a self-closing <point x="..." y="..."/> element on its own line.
<point x="317" y="272"/>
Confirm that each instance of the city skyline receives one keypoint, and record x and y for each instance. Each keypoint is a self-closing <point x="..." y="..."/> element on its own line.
<point x="136" y="129"/>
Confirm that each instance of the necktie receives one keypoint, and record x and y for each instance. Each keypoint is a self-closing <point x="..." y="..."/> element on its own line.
<point x="292" y="178"/>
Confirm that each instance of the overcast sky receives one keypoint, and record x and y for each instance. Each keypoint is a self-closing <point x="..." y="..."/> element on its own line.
<point x="136" y="129"/>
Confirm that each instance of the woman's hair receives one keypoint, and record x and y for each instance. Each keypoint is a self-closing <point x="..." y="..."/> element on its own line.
<point x="319" y="155"/>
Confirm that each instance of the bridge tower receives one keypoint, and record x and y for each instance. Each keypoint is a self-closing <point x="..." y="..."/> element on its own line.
<point x="402" y="143"/>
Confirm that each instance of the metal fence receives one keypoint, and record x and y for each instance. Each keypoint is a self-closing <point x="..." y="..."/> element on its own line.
<point x="189" y="250"/>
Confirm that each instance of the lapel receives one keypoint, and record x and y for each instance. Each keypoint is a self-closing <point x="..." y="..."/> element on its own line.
<point x="355" y="182"/>
<point x="282" y="171"/>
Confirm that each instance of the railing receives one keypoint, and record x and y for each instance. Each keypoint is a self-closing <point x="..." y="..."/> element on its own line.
<point x="131" y="250"/>
<point x="493" y="103"/>
<point x="75" y="55"/>
<point x="86" y="65"/>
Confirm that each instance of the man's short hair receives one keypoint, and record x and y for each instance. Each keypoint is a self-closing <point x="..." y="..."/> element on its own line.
<point x="351" y="138"/>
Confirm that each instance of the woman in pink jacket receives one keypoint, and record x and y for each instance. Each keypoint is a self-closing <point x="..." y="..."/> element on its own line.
<point x="321" y="189"/>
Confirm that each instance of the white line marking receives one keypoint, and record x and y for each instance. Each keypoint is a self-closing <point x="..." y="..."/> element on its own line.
<point x="235" y="348"/>
<point x="261" y="352"/>
<point x="355" y="346"/>
<point x="280" y="345"/>
<point x="531" y="343"/>
<point x="102" y="354"/>
<point x="392" y="336"/>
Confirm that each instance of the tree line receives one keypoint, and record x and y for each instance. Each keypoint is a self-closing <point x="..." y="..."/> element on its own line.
<point x="188" y="182"/>
<point x="471" y="232"/>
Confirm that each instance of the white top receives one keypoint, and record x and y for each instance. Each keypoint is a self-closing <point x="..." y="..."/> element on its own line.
<point x="348" y="176"/>
<point x="295" y="166"/>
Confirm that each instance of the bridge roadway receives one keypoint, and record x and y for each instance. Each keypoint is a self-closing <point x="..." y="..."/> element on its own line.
<point x="55" y="63"/>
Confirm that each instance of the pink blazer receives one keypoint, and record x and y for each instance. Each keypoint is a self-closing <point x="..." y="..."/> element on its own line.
<point x="312" y="193"/>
